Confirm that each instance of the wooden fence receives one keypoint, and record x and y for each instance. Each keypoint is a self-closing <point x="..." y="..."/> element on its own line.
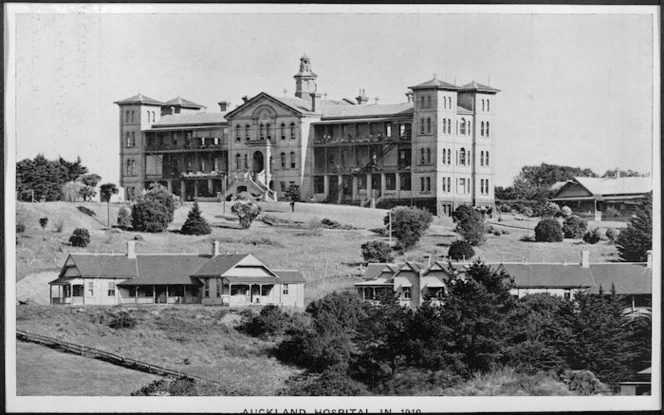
<point x="109" y="357"/>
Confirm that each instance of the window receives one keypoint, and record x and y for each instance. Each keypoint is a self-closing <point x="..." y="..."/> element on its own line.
<point x="449" y="156"/>
<point x="78" y="291"/>
<point x="428" y="125"/>
<point x="153" y="116"/>
<point x="127" y="116"/>
<point x="132" y="116"/>
<point x="91" y="289"/>
<point x="449" y="126"/>
<point x="428" y="156"/>
<point x="469" y="124"/>
<point x="148" y="115"/>
<point x="246" y="162"/>
<point x="319" y="184"/>
<point x="486" y="162"/>
<point x="429" y="102"/>
<point x="482" y="105"/>
<point x="405" y="181"/>
<point x="390" y="181"/>
<point x="283" y="187"/>
<point x="111" y="289"/>
<point x="482" y="158"/>
<point x="388" y="130"/>
<point x="133" y="139"/>
<point x="461" y="186"/>
<point x="283" y="160"/>
<point x="218" y="284"/>
<point x="131" y="167"/>
<point x="128" y="141"/>
<point x="284" y="289"/>
<point x="265" y="290"/>
<point x="422" y="102"/>
<point x="421" y="156"/>
<point x="487" y="128"/>
<point x="488" y="105"/>
<point x="450" y="101"/>
<point x="463" y="126"/>
<point x="406" y="291"/>
<point x="482" y="128"/>
<point x="262" y="131"/>
<point x="207" y="288"/>
<point x="237" y="161"/>
<point x="292" y="131"/>
<point x="444" y="126"/>
<point x="422" y="126"/>
<point x="237" y="133"/>
<point x="267" y="132"/>
<point x="283" y="131"/>
<point x="425" y="184"/>
<point x="567" y="295"/>
<point x="292" y="160"/>
<point x="462" y="156"/>
<point x="246" y="132"/>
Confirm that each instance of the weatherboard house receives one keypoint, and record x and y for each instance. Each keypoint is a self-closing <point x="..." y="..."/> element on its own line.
<point x="413" y="282"/>
<point x="207" y="279"/>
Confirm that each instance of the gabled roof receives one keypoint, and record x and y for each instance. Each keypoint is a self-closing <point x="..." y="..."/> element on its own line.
<point x="477" y="87"/>
<point x="218" y="265"/>
<point x="373" y="270"/>
<point x="296" y="104"/>
<point x="99" y="266"/>
<point x="362" y="111"/>
<point x="627" y="278"/>
<point x="191" y="119"/>
<point x="549" y="275"/>
<point x="290" y="276"/>
<point x="614" y="186"/>
<point x="166" y="269"/>
<point x="184" y="103"/>
<point x="435" y="84"/>
<point x="139" y="99"/>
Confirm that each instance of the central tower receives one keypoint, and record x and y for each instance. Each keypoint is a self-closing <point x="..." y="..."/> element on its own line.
<point x="305" y="80"/>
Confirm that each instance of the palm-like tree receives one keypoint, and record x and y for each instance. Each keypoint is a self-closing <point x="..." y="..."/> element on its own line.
<point x="105" y="192"/>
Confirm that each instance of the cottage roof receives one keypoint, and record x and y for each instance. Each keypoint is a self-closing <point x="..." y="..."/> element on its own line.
<point x="191" y="119"/>
<point x="166" y="269"/>
<point x="373" y="270"/>
<point x="549" y="275"/>
<point x="627" y="278"/>
<point x="99" y="266"/>
<point x="290" y="276"/>
<point x="139" y="99"/>
<point x="611" y="186"/>
<point x="184" y="103"/>
<point x="218" y="265"/>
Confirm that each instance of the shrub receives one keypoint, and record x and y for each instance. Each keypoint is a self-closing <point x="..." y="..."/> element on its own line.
<point x="551" y="210"/>
<point x="169" y="386"/>
<point x="584" y="382"/>
<point x="461" y="250"/>
<point x="149" y="216"/>
<point x="195" y="223"/>
<point x="328" y="383"/>
<point x="43" y="222"/>
<point x="612" y="234"/>
<point x="574" y="227"/>
<point x="634" y="242"/>
<point x="124" y="217"/>
<point x="548" y="230"/>
<point x="376" y="251"/>
<point x="59" y="225"/>
<point x="610" y="212"/>
<point x="122" y="320"/>
<point x="80" y="237"/>
<point x="245" y="196"/>
<point x="162" y="196"/>
<point x="20" y="228"/>
<point x="592" y="237"/>
<point x="315" y="226"/>
<point x="566" y="211"/>
<point x="246" y="211"/>
<point x="271" y="321"/>
<point x="526" y="211"/>
<point x="408" y="224"/>
<point x="470" y="224"/>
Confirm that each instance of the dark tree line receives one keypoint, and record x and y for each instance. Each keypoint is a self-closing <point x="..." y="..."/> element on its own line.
<point x="46" y="177"/>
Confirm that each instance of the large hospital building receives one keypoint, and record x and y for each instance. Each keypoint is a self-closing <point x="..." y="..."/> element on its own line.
<point x="435" y="150"/>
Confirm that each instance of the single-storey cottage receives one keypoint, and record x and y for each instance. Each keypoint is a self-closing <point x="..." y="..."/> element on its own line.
<point x="208" y="279"/>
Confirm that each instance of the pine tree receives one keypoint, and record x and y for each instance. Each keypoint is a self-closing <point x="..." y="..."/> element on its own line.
<point x="195" y="223"/>
<point x="634" y="242"/>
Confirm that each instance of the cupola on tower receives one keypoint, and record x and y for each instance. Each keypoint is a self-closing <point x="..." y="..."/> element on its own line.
<point x="305" y="80"/>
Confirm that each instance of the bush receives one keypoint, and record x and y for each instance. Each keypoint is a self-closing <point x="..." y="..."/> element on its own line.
<point x="170" y="386"/>
<point x="566" y="211"/>
<point x="246" y="211"/>
<point x="634" y="242"/>
<point x="584" y="382"/>
<point x="271" y="321"/>
<point x="551" y="210"/>
<point x="43" y="222"/>
<point x="59" y="225"/>
<point x="548" y="230"/>
<point x="149" y="216"/>
<point x="20" y="228"/>
<point x="122" y="320"/>
<point x="461" y="250"/>
<point x="80" y="237"/>
<point x="470" y="224"/>
<point x="592" y="237"/>
<point x="610" y="212"/>
<point x="574" y="227"/>
<point x="376" y="251"/>
<point x="124" y="217"/>
<point x="612" y="234"/>
<point x="195" y="223"/>
<point x="526" y="211"/>
<point x="161" y="195"/>
<point x="408" y="224"/>
<point x="328" y="383"/>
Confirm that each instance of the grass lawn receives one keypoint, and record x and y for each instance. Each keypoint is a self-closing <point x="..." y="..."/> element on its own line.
<point x="193" y="339"/>
<point x="42" y="371"/>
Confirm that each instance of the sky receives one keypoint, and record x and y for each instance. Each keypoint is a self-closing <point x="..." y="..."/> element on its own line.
<point x="576" y="89"/>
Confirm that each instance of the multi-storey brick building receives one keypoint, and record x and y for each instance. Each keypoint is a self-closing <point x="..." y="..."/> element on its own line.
<point x="435" y="150"/>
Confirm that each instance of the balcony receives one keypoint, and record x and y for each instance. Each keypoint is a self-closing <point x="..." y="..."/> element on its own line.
<point x="182" y="147"/>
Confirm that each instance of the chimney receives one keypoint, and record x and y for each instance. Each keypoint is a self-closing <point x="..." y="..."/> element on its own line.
<point x="377" y="100"/>
<point x="409" y="95"/>
<point x="245" y="98"/>
<point x="223" y="105"/>
<point x="427" y="259"/>
<point x="617" y="174"/>
<point x="215" y="248"/>
<point x="585" y="259"/>
<point x="131" y="249"/>
<point x="649" y="265"/>
<point x="313" y="101"/>
<point x="361" y="98"/>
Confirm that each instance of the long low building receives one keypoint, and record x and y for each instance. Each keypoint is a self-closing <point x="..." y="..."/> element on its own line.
<point x="208" y="279"/>
<point x="413" y="282"/>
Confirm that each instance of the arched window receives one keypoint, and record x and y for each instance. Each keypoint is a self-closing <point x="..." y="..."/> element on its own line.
<point x="267" y="132"/>
<point x="428" y="102"/>
<point x="444" y="126"/>
<point x="127" y="116"/>
<point x="153" y="118"/>
<point x="450" y="102"/>
<point x="246" y="162"/>
<point x="128" y="142"/>
<point x="283" y="131"/>
<point x="463" y="126"/>
<point x="487" y="128"/>
<point x="488" y="105"/>
<point x="428" y="125"/>
<point x="148" y="115"/>
<point x="246" y="132"/>
<point x="422" y="102"/>
<point x="133" y="139"/>
<point x="292" y="131"/>
<point x="292" y="160"/>
<point x="428" y="156"/>
<point x="482" y="158"/>
<point x="462" y="156"/>
<point x="422" y="126"/>
<point x="482" y="128"/>
<point x="486" y="162"/>
<point x="422" y="156"/>
<point x="237" y="132"/>
<point x="469" y="124"/>
<point x="132" y="116"/>
<point x="283" y="160"/>
<point x="482" y="105"/>
<point x="262" y="131"/>
<point x="238" y="160"/>
<point x="449" y="156"/>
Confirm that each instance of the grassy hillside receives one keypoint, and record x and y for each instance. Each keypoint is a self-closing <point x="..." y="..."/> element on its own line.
<point x="196" y="340"/>
<point x="38" y="367"/>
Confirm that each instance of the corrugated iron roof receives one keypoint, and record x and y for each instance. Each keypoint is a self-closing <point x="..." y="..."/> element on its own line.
<point x="615" y="186"/>
<point x="372" y="110"/>
<point x="474" y="86"/>
<point x="218" y="265"/>
<point x="166" y="269"/>
<point x="290" y="276"/>
<point x="139" y="99"/>
<point x="185" y="103"/>
<point x="191" y="119"/>
<point x="435" y="83"/>
<point x="628" y="278"/>
<point x="549" y="275"/>
<point x="98" y="266"/>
